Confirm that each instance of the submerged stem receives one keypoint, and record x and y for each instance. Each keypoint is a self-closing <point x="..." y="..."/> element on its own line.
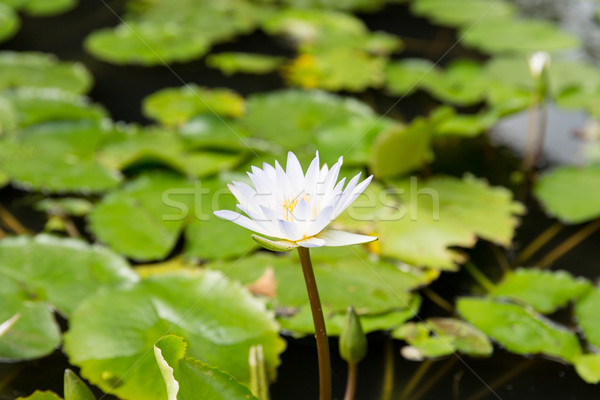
<point x="11" y="222"/>
<point x="319" y="321"/>
<point x="479" y="277"/>
<point x="568" y="244"/>
<point x="388" y="373"/>
<point x="351" y="381"/>
<point x="539" y="242"/>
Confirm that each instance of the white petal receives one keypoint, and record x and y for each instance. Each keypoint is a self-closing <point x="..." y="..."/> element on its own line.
<point x="290" y="230"/>
<point x="311" y="242"/>
<point x="242" y="221"/>
<point x="335" y="238"/>
<point x="293" y="169"/>
<point x="323" y="219"/>
<point x="348" y="198"/>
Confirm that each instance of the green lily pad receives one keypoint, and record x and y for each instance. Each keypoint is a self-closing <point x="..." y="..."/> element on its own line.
<point x="587" y="311"/>
<point x="144" y="219"/>
<point x="61" y="271"/>
<point x="57" y="157"/>
<point x="438" y="214"/>
<point x="46" y="273"/>
<point x="35" y="334"/>
<point x="160" y="146"/>
<point x="545" y="291"/>
<point x="175" y="106"/>
<point x="301" y="323"/>
<point x="347" y="69"/>
<point x="467" y="125"/>
<point x="402" y="149"/>
<point x="188" y="378"/>
<point x="349" y="5"/>
<point x="588" y="367"/>
<point x="41" y="395"/>
<point x="174" y="31"/>
<point x="39" y="70"/>
<point x="353" y="139"/>
<point x="34" y="106"/>
<point x="344" y="276"/>
<point x="214" y="132"/>
<point x="458" y="13"/>
<point x="438" y="337"/>
<point x="208" y="237"/>
<point x="9" y="22"/>
<point x="463" y="82"/>
<point x="571" y="194"/>
<point x="505" y="35"/>
<point x="301" y="115"/>
<point x="405" y="76"/>
<point x="248" y="63"/>
<point x="46" y="8"/>
<point x="219" y="319"/>
<point x="520" y="330"/>
<point x="76" y="207"/>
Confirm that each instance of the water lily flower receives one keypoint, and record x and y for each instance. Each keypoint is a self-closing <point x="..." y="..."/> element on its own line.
<point x="296" y="207"/>
<point x="539" y="61"/>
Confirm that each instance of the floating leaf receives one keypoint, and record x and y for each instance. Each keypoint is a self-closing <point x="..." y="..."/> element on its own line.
<point x="231" y="63"/>
<point x="344" y="277"/>
<point x="438" y="337"/>
<point x="519" y="330"/>
<point x="350" y="5"/>
<point x="405" y="76"/>
<point x="111" y="334"/>
<point x="463" y="82"/>
<point x="208" y="237"/>
<point x="175" y="106"/>
<point x="44" y="273"/>
<point x="41" y="395"/>
<point x="34" y="106"/>
<point x="571" y="194"/>
<point x="587" y="311"/>
<point x="439" y="214"/>
<point x="45" y="8"/>
<point x="35" y="334"/>
<point x="545" y="291"/>
<point x="503" y="35"/>
<point x="211" y="131"/>
<point x="61" y="271"/>
<point x="65" y="206"/>
<point x="187" y="378"/>
<point x="342" y="69"/>
<point x="588" y="367"/>
<point x="57" y="157"/>
<point x="458" y="13"/>
<point x="144" y="219"/>
<point x="401" y="149"/>
<point x="9" y="22"/>
<point x="301" y="115"/>
<point x="178" y="30"/>
<point x="39" y="70"/>
<point x="467" y="125"/>
<point x="161" y="146"/>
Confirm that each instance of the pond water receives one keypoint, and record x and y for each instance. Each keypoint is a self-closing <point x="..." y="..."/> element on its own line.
<point x="120" y="90"/>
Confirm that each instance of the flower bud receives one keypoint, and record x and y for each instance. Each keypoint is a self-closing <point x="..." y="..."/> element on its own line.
<point x="353" y="341"/>
<point x="538" y="62"/>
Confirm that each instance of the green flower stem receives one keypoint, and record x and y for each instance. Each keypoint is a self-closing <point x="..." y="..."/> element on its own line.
<point x="479" y="277"/>
<point x="351" y="381"/>
<point x="319" y="321"/>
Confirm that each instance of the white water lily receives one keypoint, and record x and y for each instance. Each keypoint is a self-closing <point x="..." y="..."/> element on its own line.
<point x="289" y="205"/>
<point x="539" y="61"/>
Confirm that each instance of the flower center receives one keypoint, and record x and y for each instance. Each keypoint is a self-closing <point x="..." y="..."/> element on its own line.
<point x="289" y="206"/>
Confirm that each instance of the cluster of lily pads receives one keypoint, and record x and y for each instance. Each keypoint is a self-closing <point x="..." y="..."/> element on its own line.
<point x="154" y="261"/>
